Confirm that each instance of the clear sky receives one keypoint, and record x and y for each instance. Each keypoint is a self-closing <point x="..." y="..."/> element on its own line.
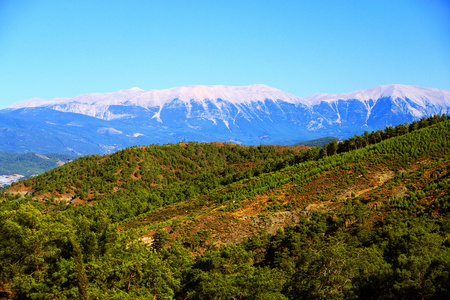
<point x="63" y="48"/>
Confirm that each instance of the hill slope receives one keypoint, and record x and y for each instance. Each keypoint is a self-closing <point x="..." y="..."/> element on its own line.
<point x="30" y="163"/>
<point x="365" y="218"/>
<point x="317" y="142"/>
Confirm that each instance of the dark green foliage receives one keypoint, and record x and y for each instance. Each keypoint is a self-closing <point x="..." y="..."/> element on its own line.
<point x="160" y="239"/>
<point x="35" y="254"/>
<point x="230" y="273"/>
<point x="81" y="272"/>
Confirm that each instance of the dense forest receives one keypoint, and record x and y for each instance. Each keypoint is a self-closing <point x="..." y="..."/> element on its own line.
<point x="364" y="218"/>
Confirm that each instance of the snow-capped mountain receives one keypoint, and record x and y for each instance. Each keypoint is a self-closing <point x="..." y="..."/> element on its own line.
<point x="97" y="105"/>
<point x="417" y="94"/>
<point x="380" y="106"/>
<point x="255" y="114"/>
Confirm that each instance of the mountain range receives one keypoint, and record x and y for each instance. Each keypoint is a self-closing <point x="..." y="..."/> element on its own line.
<point x="250" y="115"/>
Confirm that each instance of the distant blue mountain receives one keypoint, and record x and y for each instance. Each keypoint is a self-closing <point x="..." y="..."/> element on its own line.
<point x="250" y="115"/>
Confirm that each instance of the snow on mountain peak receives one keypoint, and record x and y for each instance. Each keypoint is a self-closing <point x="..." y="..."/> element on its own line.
<point x="38" y="102"/>
<point x="232" y="94"/>
<point x="136" y="89"/>
<point x="417" y="94"/>
<point x="151" y="98"/>
<point x="101" y="99"/>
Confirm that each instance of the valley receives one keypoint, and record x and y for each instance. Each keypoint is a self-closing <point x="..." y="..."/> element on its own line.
<point x="17" y="166"/>
<point x="6" y="180"/>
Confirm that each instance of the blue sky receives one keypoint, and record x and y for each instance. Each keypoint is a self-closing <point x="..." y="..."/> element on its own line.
<point x="63" y="48"/>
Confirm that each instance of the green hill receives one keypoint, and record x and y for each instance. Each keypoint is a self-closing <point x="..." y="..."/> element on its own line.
<point x="365" y="218"/>
<point x="27" y="164"/>
<point x="317" y="142"/>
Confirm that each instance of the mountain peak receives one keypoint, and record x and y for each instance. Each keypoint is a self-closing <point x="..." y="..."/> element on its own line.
<point x="417" y="94"/>
<point x="136" y="89"/>
<point x="241" y="95"/>
<point x="140" y="97"/>
<point x="199" y="93"/>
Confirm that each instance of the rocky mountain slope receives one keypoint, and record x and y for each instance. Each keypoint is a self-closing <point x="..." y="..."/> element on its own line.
<point x="250" y="115"/>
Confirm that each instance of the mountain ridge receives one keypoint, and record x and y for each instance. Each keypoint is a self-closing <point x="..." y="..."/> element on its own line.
<point x="415" y="93"/>
<point x="250" y="93"/>
<point x="140" y="97"/>
<point x="249" y="115"/>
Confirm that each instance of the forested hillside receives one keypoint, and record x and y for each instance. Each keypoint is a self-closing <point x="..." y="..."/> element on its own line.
<point x="317" y="142"/>
<point x="366" y="218"/>
<point x="27" y="164"/>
